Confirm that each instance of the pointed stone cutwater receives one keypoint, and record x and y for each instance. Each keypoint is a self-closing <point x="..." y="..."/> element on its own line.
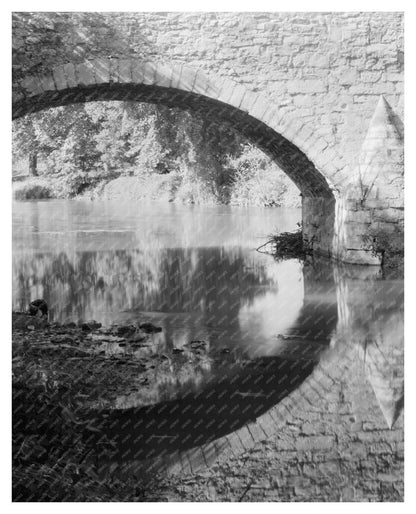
<point x="381" y="162"/>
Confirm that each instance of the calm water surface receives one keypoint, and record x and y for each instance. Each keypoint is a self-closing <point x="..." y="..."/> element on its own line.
<point x="192" y="270"/>
<point x="195" y="272"/>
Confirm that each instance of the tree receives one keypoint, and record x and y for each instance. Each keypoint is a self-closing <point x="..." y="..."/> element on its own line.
<point x="24" y="142"/>
<point x="83" y="144"/>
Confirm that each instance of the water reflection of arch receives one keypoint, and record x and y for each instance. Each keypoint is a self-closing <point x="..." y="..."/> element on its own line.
<point x="160" y="432"/>
<point x="306" y="381"/>
<point x="232" y="415"/>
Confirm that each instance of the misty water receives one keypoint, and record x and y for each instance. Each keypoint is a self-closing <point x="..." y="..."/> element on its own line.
<point x="195" y="272"/>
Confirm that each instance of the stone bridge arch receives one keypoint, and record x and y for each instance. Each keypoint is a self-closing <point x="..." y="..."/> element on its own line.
<point x="294" y="147"/>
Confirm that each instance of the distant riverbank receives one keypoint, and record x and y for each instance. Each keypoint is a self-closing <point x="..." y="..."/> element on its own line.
<point x="165" y="187"/>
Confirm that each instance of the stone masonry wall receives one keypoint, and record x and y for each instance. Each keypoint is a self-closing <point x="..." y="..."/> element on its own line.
<point x="328" y="69"/>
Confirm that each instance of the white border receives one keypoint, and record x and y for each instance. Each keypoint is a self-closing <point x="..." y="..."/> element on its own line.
<point x="5" y="216"/>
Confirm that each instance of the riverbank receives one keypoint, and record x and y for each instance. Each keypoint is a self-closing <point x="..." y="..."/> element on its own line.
<point x="169" y="187"/>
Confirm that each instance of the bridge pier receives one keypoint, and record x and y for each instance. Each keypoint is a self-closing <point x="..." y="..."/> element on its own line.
<point x="318" y="223"/>
<point x="364" y="223"/>
<point x="352" y="230"/>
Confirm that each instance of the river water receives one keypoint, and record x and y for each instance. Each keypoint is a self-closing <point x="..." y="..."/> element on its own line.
<point x="192" y="270"/>
<point x="195" y="272"/>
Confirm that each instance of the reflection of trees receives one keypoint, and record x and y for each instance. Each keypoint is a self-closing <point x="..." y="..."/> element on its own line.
<point x="210" y="281"/>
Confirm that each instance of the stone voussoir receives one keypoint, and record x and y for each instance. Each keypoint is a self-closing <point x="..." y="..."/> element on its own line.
<point x="84" y="73"/>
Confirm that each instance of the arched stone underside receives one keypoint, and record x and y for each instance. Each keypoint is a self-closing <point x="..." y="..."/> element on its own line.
<point x="220" y="101"/>
<point x="290" y="159"/>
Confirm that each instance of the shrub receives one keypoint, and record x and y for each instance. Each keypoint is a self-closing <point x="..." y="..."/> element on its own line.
<point x="32" y="190"/>
<point x="389" y="245"/>
<point x="258" y="181"/>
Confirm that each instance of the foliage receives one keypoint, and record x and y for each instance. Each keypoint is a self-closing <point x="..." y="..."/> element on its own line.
<point x="84" y="146"/>
<point x="389" y="245"/>
<point x="257" y="181"/>
<point x="32" y="190"/>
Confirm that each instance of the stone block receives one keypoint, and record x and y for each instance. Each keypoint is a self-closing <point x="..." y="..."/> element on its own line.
<point x="196" y="459"/>
<point x="101" y="69"/>
<point x="267" y="425"/>
<point x="394" y="77"/>
<point x="315" y="443"/>
<point x="70" y="75"/>
<point x="370" y="76"/>
<point x="186" y="465"/>
<point x="319" y="61"/>
<point x="235" y="444"/>
<point x="201" y="84"/>
<point x="148" y="73"/>
<point x="60" y="78"/>
<point x="384" y="226"/>
<point x="273" y="117"/>
<point x="48" y="84"/>
<point x="260" y="107"/>
<point x="347" y="494"/>
<point x="245" y="438"/>
<point x="347" y="76"/>
<point x="163" y="75"/>
<point x="237" y="96"/>
<point x="125" y="71"/>
<point x="173" y="463"/>
<point x="304" y="100"/>
<point x="360" y="216"/>
<point x="188" y="78"/>
<point x="388" y="477"/>
<point x="32" y="85"/>
<point x="292" y="128"/>
<point x="176" y="75"/>
<point x="210" y="453"/>
<point x="388" y="215"/>
<point x="306" y="86"/>
<point x="329" y="468"/>
<point x="85" y="74"/>
<point x="248" y="101"/>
